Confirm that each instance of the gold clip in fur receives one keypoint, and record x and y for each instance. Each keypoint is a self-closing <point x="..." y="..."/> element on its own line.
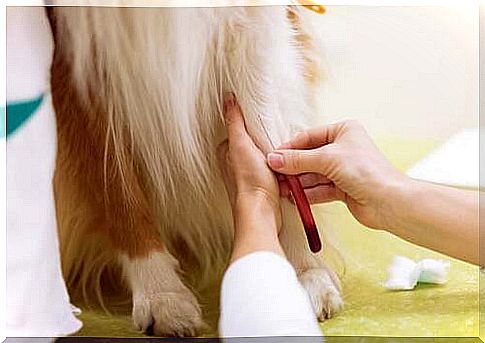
<point x="311" y="5"/>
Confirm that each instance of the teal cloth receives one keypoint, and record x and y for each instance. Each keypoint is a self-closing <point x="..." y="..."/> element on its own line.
<point x="2" y="121"/>
<point x="18" y="113"/>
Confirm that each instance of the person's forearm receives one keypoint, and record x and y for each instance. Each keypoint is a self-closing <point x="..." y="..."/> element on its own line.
<point x="440" y="218"/>
<point x="256" y="228"/>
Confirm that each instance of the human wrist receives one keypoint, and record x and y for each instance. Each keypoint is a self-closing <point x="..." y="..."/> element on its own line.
<point x="403" y="195"/>
<point x="249" y="241"/>
<point x="257" y="206"/>
<point x="257" y="224"/>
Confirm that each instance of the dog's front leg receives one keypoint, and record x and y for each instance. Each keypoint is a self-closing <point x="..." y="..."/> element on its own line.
<point x="319" y="279"/>
<point x="162" y="303"/>
<point x="265" y="72"/>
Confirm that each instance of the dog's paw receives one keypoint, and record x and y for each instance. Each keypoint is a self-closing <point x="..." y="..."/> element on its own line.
<point x="173" y="314"/>
<point x="162" y="304"/>
<point x="324" y="292"/>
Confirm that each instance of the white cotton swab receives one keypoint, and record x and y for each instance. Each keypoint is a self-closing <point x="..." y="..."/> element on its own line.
<point x="404" y="273"/>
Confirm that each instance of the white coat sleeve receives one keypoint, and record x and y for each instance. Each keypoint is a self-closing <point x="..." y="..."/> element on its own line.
<point x="261" y="296"/>
<point x="37" y="302"/>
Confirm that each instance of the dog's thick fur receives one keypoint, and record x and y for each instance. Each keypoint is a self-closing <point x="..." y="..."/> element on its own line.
<point x="137" y="92"/>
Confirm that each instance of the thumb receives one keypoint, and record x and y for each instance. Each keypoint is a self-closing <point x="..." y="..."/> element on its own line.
<point x="294" y="162"/>
<point x="233" y="118"/>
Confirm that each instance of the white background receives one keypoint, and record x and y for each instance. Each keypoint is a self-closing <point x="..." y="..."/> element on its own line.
<point x="410" y="72"/>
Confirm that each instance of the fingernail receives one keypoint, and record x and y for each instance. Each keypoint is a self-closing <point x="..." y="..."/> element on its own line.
<point x="229" y="101"/>
<point x="275" y="160"/>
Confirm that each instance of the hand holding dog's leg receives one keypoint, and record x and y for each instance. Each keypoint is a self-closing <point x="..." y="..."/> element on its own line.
<point x="251" y="186"/>
<point x="254" y="196"/>
<point x="274" y="102"/>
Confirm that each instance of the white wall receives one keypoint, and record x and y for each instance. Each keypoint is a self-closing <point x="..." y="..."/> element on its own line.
<point x="410" y="72"/>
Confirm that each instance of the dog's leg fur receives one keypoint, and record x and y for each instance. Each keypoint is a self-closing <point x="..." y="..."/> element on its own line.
<point x="320" y="281"/>
<point x="275" y="95"/>
<point x="123" y="222"/>
<point x="164" y="165"/>
<point x="162" y="304"/>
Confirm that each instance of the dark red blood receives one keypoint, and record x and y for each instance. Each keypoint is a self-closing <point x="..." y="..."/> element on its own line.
<point x="305" y="212"/>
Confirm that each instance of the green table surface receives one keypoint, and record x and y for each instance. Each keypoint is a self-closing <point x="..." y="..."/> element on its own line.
<point x="450" y="310"/>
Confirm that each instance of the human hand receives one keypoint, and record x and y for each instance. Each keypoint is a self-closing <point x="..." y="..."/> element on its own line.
<point x="341" y="162"/>
<point x="252" y="188"/>
<point x="243" y="165"/>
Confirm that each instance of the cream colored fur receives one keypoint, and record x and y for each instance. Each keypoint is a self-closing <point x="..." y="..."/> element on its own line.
<point x="162" y="74"/>
<point x="159" y="293"/>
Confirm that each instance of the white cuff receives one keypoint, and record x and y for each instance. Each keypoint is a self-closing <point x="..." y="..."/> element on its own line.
<point x="261" y="296"/>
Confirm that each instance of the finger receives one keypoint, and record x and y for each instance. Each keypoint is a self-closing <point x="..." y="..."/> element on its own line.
<point x="222" y="150"/>
<point x="293" y="162"/>
<point x="322" y="194"/>
<point x="309" y="180"/>
<point x="233" y="118"/>
<point x="314" y="138"/>
<point x="222" y="159"/>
